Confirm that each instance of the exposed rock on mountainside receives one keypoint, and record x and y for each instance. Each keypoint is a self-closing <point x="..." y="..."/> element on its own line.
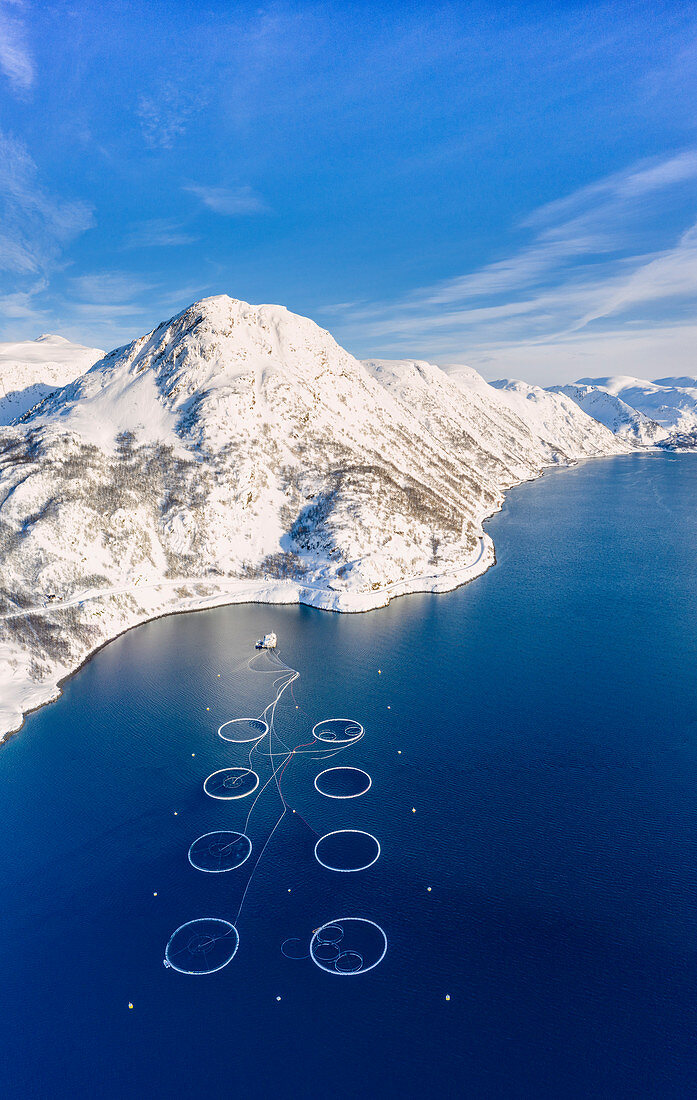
<point x="238" y="452"/>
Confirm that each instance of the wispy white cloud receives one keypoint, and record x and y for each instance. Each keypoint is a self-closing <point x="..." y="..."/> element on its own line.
<point x="35" y="227"/>
<point x="109" y="288"/>
<point x="232" y="202"/>
<point x="158" y="233"/>
<point x="579" y="285"/>
<point x="15" y="58"/>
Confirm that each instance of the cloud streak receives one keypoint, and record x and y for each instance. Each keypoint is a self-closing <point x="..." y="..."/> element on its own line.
<point x="34" y="225"/>
<point x="158" y="233"/>
<point x="579" y="283"/>
<point x="231" y="202"/>
<point x="15" y="59"/>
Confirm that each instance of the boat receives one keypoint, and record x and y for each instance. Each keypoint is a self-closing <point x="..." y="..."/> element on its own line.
<point x="267" y="642"/>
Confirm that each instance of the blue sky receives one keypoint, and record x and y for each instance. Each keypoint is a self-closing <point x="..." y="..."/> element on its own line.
<point x="512" y="186"/>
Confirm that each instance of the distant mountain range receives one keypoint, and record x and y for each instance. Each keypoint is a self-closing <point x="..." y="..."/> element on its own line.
<point x="238" y="452"/>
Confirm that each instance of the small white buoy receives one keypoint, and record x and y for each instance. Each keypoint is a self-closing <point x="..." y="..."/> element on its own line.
<point x="193" y="754"/>
<point x="413" y="809"/>
<point x="155" y="894"/>
<point x="399" y="752"/>
<point x="175" y="813"/>
<point x="447" y="996"/>
<point x="389" y="707"/>
<point x="429" y="889"/>
<point x="278" y="998"/>
<point x="289" y="889"/>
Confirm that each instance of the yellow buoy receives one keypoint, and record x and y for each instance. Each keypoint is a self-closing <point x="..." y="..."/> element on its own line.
<point x="130" y="1004"/>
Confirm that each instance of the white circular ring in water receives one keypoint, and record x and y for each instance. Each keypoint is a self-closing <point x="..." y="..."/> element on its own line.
<point x="198" y="943"/>
<point x="345" y="832"/>
<point x="295" y="948"/>
<point x="234" y="778"/>
<point x="331" y="968"/>
<point x="253" y="722"/>
<point x="348" y="740"/>
<point x="220" y="833"/>
<point x="359" y="771"/>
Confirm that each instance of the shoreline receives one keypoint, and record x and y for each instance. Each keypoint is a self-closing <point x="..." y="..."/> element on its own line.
<point x="274" y="592"/>
<point x="286" y="592"/>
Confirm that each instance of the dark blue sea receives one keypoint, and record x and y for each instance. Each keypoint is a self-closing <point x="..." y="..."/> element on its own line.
<point x="532" y="744"/>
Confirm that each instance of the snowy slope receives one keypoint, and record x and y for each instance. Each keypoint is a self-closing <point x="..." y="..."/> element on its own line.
<point x="672" y="402"/>
<point x="614" y="413"/>
<point x="554" y="418"/>
<point x="31" y="369"/>
<point x="237" y="452"/>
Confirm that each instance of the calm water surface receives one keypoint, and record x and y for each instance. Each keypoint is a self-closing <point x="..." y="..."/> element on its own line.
<point x="547" y="722"/>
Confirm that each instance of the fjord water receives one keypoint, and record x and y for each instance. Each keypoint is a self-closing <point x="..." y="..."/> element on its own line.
<point x="547" y="722"/>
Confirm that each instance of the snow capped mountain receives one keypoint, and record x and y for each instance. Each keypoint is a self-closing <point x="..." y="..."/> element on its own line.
<point x="31" y="369"/>
<point x="237" y="452"/>
<point x="671" y="402"/>
<point x="554" y="419"/>
<point x="614" y="413"/>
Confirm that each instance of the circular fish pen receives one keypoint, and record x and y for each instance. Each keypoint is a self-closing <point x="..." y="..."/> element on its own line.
<point x="220" y="851"/>
<point x="338" y="731"/>
<point x="343" y="782"/>
<point x="242" y="731"/>
<point x="347" y="850"/>
<point x="229" y="783"/>
<point x="348" y="945"/>
<point x="202" y="946"/>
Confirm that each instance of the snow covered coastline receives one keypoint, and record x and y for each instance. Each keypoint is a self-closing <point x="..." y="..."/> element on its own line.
<point x="20" y="696"/>
<point x="238" y="454"/>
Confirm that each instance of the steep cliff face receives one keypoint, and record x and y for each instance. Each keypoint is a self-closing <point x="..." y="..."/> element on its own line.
<point x="238" y="450"/>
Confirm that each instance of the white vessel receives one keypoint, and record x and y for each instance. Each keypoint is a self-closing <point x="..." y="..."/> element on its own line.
<point x="267" y="642"/>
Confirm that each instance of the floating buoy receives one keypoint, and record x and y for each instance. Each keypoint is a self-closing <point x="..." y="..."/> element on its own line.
<point x="155" y="894"/>
<point x="208" y="708"/>
<point x="175" y="813"/>
<point x="413" y="809"/>
<point x="278" y="998"/>
<point x="130" y="1004"/>
<point x="447" y="996"/>
<point x="379" y="672"/>
<point x="429" y="889"/>
<point x="399" y="752"/>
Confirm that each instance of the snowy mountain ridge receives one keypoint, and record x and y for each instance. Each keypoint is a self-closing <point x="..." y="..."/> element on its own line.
<point x="31" y="369"/>
<point x="237" y="452"/>
<point x="609" y="409"/>
<point x="670" y="403"/>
